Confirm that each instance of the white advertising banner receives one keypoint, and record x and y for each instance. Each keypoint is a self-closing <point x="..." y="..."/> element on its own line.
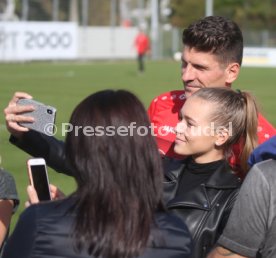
<point x="38" y="41"/>
<point x="107" y="43"/>
<point x="256" y="56"/>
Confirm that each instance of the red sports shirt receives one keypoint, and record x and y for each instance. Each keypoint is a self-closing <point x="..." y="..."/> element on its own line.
<point x="142" y="43"/>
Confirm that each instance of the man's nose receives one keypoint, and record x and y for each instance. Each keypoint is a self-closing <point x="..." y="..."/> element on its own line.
<point x="188" y="73"/>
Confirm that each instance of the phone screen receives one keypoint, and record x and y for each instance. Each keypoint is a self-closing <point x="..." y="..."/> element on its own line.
<point x="40" y="181"/>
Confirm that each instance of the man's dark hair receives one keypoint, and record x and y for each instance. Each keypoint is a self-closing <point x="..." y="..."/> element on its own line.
<point x="218" y="35"/>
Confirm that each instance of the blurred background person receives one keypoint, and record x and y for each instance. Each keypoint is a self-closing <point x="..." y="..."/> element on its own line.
<point x="142" y="45"/>
<point x="116" y="210"/>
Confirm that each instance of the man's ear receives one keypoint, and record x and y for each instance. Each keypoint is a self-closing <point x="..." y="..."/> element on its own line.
<point x="232" y="71"/>
<point x="222" y="135"/>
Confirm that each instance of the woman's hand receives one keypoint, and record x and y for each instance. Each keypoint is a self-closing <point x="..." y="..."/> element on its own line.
<point x="13" y="114"/>
<point x="56" y="194"/>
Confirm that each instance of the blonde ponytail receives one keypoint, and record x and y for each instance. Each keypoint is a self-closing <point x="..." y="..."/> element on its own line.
<point x="250" y="131"/>
<point x="238" y="109"/>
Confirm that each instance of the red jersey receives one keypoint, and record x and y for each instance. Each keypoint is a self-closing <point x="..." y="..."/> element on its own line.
<point x="142" y="43"/>
<point x="163" y="113"/>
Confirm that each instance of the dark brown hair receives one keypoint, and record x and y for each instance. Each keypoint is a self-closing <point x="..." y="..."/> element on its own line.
<point x="119" y="178"/>
<point x="218" y="35"/>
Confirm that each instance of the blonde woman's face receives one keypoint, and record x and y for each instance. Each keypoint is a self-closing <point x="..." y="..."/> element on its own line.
<point x="195" y="134"/>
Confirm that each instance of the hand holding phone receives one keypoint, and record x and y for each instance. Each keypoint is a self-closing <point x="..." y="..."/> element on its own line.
<point x="44" y="116"/>
<point x="38" y="177"/>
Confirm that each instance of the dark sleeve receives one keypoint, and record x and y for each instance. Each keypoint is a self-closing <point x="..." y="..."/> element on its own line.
<point x="8" y="188"/>
<point x="264" y="151"/>
<point x="47" y="147"/>
<point x="21" y="242"/>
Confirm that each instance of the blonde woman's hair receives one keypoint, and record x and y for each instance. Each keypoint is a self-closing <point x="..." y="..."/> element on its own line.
<point x="238" y="109"/>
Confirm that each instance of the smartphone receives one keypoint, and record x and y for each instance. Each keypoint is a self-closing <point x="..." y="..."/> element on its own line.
<point x="38" y="177"/>
<point x="44" y="116"/>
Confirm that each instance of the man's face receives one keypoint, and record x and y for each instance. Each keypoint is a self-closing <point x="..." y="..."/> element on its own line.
<point x="200" y="70"/>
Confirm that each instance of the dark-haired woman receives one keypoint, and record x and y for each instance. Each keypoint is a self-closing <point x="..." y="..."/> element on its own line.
<point x="116" y="211"/>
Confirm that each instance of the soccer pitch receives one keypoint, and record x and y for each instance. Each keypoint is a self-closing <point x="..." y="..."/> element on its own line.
<point x="64" y="85"/>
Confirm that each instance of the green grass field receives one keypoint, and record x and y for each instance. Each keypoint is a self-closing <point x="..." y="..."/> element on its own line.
<point x="63" y="85"/>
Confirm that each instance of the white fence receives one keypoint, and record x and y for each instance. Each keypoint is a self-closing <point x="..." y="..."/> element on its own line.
<point x="262" y="57"/>
<point x="38" y="41"/>
<point x="24" y="41"/>
<point x="106" y="43"/>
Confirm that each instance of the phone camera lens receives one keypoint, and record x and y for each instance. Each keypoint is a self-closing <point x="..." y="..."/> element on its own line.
<point x="49" y="111"/>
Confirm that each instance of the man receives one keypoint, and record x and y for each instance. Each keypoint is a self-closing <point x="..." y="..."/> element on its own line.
<point x="212" y="57"/>
<point x="142" y="45"/>
<point x="251" y="228"/>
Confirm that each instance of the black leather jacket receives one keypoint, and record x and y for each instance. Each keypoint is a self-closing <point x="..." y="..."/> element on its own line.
<point x="206" y="209"/>
<point x="45" y="230"/>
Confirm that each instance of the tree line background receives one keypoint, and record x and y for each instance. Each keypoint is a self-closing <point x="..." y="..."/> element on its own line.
<point x="249" y="14"/>
<point x="257" y="19"/>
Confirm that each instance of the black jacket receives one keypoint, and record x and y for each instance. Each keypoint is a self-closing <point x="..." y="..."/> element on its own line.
<point x="47" y="147"/>
<point x="206" y="209"/>
<point x="44" y="230"/>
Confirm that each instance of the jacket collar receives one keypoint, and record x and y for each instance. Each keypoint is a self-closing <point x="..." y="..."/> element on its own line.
<point x="223" y="178"/>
